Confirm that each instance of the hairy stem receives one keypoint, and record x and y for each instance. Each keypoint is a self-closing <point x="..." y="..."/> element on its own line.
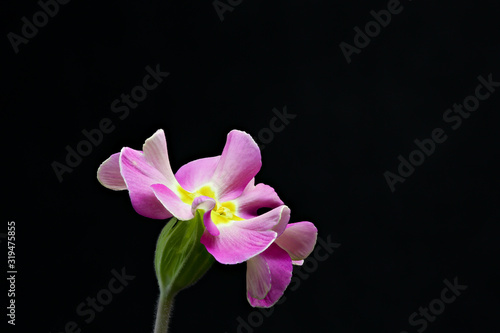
<point x="163" y="312"/>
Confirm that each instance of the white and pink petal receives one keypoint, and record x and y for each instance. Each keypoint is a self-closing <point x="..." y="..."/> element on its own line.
<point x="139" y="175"/>
<point x="280" y="270"/>
<point x="241" y="240"/>
<point x="206" y="204"/>
<point x="156" y="153"/>
<point x="172" y="202"/>
<point x="197" y="173"/>
<point x="298" y="240"/>
<point x="258" y="277"/>
<point x="239" y="163"/>
<point x="255" y="197"/>
<point x="109" y="174"/>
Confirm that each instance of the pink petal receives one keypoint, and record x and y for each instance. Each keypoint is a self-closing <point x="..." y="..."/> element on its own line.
<point x="280" y="266"/>
<point x="239" y="163"/>
<point x="196" y="173"/>
<point x="155" y="152"/>
<point x="109" y="174"/>
<point x="202" y="202"/>
<point x="280" y="227"/>
<point x="298" y="262"/>
<point x="298" y="239"/>
<point x="172" y="202"/>
<point x="258" y="277"/>
<point x="239" y="241"/>
<point x="139" y="175"/>
<point x="255" y="197"/>
<point x="206" y="204"/>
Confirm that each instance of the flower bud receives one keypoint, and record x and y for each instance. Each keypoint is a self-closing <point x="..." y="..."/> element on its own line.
<point x="180" y="258"/>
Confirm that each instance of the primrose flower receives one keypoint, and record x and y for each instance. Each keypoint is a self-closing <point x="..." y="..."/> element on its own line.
<point x="221" y="186"/>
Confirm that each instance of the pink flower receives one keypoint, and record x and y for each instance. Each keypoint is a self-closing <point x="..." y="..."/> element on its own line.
<point x="223" y="188"/>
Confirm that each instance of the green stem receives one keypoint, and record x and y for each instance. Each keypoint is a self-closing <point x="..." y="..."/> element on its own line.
<point x="163" y="312"/>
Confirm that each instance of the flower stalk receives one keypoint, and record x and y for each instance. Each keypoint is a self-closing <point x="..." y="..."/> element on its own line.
<point x="165" y="302"/>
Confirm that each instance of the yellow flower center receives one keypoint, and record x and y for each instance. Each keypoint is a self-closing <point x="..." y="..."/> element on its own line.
<point x="221" y="213"/>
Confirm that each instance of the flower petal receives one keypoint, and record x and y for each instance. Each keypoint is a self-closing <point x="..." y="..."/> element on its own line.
<point x="298" y="239"/>
<point x="109" y="174"/>
<point x="155" y="152"/>
<point x="206" y="204"/>
<point x="202" y="202"/>
<point x="172" y="202"/>
<point x="280" y="266"/>
<point x="298" y="262"/>
<point x="239" y="241"/>
<point x="280" y="227"/>
<point x="197" y="173"/>
<point x="255" y="197"/>
<point x="258" y="277"/>
<point x="239" y="163"/>
<point x="139" y="175"/>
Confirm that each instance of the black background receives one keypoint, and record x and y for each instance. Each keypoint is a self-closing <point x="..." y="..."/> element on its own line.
<point x="352" y="121"/>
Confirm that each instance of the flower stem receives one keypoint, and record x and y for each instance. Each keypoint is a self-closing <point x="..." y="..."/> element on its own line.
<point x="163" y="312"/>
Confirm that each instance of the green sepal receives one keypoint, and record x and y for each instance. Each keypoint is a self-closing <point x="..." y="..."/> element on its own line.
<point x="180" y="258"/>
